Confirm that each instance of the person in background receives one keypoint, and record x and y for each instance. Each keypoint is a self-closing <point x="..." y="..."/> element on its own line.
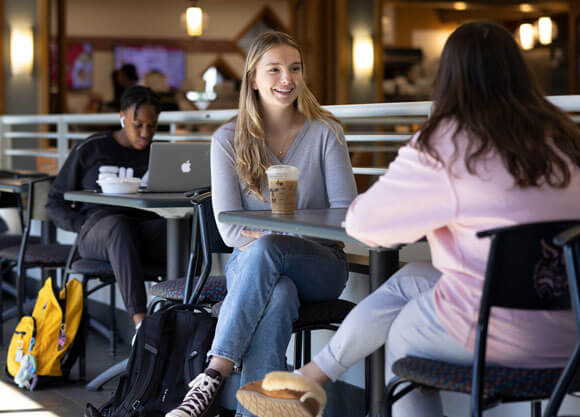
<point x="494" y="153"/>
<point x="268" y="275"/>
<point x="122" y="79"/>
<point x="122" y="236"/>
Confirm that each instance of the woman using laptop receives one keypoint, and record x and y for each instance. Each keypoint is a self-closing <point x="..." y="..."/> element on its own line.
<point x="268" y="275"/>
<point x="121" y="236"/>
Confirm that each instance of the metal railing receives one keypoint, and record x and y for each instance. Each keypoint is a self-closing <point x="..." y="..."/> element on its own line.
<point x="369" y="128"/>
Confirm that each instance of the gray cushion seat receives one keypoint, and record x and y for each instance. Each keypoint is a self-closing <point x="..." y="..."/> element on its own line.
<point x="47" y="255"/>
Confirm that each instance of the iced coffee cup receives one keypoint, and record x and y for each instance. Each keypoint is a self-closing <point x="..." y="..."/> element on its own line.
<point x="283" y="184"/>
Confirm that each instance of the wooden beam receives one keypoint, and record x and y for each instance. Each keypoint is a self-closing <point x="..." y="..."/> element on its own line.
<point x="378" y="51"/>
<point x="62" y="64"/>
<point x="573" y="45"/>
<point x="43" y="48"/>
<point x="2" y="70"/>
<point x="194" y="45"/>
<point x="343" y="57"/>
<point x="484" y="4"/>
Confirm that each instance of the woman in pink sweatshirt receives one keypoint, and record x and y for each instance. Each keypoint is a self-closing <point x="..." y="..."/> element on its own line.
<point x="493" y="153"/>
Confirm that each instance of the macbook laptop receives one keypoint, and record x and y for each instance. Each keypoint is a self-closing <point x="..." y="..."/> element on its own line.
<point x="177" y="167"/>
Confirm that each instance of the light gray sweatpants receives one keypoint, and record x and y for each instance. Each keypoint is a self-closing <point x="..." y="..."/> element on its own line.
<point x="401" y="314"/>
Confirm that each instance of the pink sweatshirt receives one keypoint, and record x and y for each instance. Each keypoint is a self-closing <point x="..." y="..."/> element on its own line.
<point x="416" y="198"/>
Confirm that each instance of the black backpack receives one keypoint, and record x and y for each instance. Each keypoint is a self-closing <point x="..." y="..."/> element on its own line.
<point x="169" y="351"/>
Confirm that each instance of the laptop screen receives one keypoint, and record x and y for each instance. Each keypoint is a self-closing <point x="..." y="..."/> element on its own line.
<point x="178" y="167"/>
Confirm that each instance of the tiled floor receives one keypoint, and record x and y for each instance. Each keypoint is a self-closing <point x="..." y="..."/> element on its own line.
<point x="63" y="400"/>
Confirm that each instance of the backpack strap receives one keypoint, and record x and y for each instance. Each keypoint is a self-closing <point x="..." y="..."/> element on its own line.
<point x="151" y="341"/>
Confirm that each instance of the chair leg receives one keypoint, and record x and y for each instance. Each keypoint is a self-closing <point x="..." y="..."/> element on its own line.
<point x="85" y="333"/>
<point x="307" y="347"/>
<point x="393" y="394"/>
<point x="536" y="408"/>
<point x="297" y="349"/>
<point x="368" y="367"/>
<point x="1" y="305"/>
<point x="113" y="301"/>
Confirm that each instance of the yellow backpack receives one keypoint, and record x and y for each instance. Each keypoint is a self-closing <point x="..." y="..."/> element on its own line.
<point x="42" y="347"/>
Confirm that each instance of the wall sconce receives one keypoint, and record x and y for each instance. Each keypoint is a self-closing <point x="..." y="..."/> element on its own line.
<point x="21" y="51"/>
<point x="527" y="36"/>
<point x="194" y="19"/>
<point x="363" y="57"/>
<point x="545" y="28"/>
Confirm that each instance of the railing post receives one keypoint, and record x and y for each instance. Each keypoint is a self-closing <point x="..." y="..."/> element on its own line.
<point x="62" y="141"/>
<point x="2" y="143"/>
<point x="5" y="143"/>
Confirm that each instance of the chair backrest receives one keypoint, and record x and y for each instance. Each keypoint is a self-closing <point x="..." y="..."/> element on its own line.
<point x="37" y="199"/>
<point x="206" y="240"/>
<point x="525" y="270"/>
<point x="570" y="241"/>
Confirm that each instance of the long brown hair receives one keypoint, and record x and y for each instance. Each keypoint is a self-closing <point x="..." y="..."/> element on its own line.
<point x="252" y="158"/>
<point x="484" y="84"/>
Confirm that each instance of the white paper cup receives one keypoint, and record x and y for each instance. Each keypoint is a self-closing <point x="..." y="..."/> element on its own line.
<point x="283" y="184"/>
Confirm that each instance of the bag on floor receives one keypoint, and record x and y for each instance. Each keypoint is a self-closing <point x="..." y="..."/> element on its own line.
<point x="45" y="345"/>
<point x="169" y="351"/>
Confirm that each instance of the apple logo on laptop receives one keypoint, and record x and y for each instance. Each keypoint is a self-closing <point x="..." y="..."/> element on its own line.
<point x="186" y="167"/>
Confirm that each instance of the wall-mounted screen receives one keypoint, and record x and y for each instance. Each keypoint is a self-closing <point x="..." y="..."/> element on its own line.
<point x="79" y="65"/>
<point x="147" y="59"/>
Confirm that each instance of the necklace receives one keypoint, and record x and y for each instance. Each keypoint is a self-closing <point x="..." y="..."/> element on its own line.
<point x="285" y="146"/>
<point x="286" y="143"/>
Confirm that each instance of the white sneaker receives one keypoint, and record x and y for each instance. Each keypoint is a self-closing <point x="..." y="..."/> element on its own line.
<point x="199" y="399"/>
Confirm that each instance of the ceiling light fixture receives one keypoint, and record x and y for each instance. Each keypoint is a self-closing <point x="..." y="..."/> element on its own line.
<point x="194" y="19"/>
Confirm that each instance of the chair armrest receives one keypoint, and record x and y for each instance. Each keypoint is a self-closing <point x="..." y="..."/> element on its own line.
<point x="41" y="179"/>
<point x="197" y="191"/>
<point x="567" y="236"/>
<point x="200" y="198"/>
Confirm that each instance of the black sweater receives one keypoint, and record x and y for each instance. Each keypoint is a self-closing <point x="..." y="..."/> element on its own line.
<point x="80" y="172"/>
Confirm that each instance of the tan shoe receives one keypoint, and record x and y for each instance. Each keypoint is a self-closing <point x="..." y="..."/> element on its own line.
<point x="283" y="394"/>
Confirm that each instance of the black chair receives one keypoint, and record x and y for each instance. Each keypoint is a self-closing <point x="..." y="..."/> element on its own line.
<point x="94" y="269"/>
<point x="208" y="290"/>
<point x="569" y="379"/>
<point x="12" y="200"/>
<point x="517" y="256"/>
<point x="198" y="286"/>
<point x="324" y="315"/>
<point x="31" y="253"/>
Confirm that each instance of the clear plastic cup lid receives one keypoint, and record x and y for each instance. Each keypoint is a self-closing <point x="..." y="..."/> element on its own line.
<point x="283" y="171"/>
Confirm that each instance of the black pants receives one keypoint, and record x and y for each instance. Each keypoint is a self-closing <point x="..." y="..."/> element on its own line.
<point x="125" y="242"/>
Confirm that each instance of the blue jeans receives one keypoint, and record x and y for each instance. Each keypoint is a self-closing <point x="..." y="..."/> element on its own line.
<point x="266" y="283"/>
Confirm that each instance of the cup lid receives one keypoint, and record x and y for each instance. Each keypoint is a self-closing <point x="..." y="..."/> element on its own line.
<point x="284" y="171"/>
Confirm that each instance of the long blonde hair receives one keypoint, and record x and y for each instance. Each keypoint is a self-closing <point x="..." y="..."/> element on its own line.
<point x="252" y="158"/>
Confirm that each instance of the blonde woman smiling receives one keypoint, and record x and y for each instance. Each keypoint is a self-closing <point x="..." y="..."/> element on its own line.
<point x="268" y="275"/>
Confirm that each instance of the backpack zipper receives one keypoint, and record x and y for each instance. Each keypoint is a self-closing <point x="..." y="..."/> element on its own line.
<point x="125" y="407"/>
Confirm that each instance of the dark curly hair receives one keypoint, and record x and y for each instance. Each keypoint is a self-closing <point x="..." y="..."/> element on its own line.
<point x="139" y="95"/>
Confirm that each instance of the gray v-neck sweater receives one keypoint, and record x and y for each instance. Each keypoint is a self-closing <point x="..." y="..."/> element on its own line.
<point x="326" y="178"/>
